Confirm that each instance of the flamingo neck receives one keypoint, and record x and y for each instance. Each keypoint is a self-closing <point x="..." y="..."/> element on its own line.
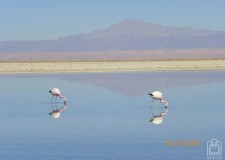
<point x="164" y="113"/>
<point x="63" y="108"/>
<point x="163" y="101"/>
<point x="62" y="97"/>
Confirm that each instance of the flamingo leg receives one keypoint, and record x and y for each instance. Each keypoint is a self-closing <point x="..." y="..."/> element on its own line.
<point x="151" y="111"/>
<point x="52" y="98"/>
<point x="52" y="107"/>
<point x="156" y="107"/>
<point x="55" y="98"/>
<point x="153" y="102"/>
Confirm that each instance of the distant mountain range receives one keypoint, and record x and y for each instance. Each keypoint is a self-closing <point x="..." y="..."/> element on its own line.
<point x="128" y="35"/>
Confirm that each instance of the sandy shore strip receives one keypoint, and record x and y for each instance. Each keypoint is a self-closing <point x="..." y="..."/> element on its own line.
<point x="111" y="66"/>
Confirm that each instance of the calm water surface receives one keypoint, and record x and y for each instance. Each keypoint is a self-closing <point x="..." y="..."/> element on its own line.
<point x="107" y="116"/>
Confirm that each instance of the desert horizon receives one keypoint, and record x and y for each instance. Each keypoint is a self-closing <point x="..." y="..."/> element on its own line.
<point x="110" y="66"/>
<point x="166" y="54"/>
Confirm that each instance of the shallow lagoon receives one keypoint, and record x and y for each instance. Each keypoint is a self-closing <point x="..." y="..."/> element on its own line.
<point x="107" y="115"/>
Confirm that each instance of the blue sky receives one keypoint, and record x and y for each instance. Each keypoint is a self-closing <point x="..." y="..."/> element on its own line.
<point x="50" y="19"/>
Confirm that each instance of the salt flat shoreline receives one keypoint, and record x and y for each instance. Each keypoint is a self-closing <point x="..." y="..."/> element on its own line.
<point x="110" y="66"/>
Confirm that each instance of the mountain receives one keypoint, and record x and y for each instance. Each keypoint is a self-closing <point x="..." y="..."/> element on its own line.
<point x="127" y="35"/>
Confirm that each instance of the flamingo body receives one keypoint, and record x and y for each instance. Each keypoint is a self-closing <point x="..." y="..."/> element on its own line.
<point x="156" y="95"/>
<point x="56" y="92"/>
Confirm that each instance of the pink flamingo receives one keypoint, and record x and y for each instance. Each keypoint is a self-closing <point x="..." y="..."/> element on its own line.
<point x="56" y="92"/>
<point x="158" y="96"/>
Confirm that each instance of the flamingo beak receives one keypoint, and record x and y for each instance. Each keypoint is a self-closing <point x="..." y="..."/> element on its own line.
<point x="50" y="92"/>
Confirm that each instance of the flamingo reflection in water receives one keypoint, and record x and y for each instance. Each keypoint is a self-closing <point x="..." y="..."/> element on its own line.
<point x="157" y="99"/>
<point x="56" y="113"/>
<point x="158" y="119"/>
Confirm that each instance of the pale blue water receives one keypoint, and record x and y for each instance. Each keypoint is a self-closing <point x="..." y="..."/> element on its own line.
<point x="107" y="116"/>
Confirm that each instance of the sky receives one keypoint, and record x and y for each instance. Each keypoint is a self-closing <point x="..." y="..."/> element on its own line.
<point x="51" y="19"/>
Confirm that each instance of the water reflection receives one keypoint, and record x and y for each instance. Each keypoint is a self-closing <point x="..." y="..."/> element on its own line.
<point x="56" y="113"/>
<point x="139" y="81"/>
<point x="158" y="118"/>
<point x="112" y="127"/>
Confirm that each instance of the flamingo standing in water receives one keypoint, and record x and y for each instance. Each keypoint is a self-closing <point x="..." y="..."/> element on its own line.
<point x="158" y="96"/>
<point x="56" y="92"/>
